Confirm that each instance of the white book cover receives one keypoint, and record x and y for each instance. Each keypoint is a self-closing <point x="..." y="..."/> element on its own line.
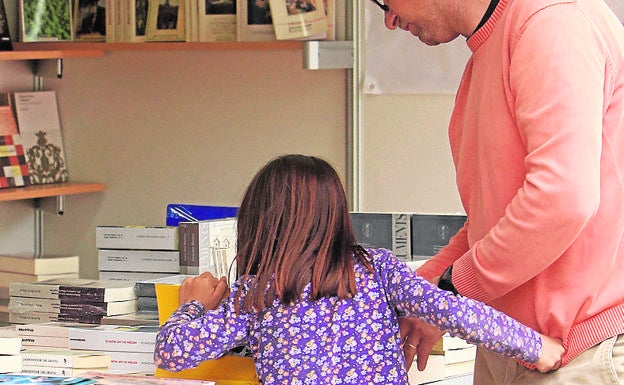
<point x="10" y="363"/>
<point x="216" y="248"/>
<point x="10" y="345"/>
<point x="299" y="19"/>
<point x="39" y="125"/>
<point x="65" y="358"/>
<point x="217" y="20"/>
<point x="114" y="338"/>
<point x="254" y="21"/>
<point x="161" y="261"/>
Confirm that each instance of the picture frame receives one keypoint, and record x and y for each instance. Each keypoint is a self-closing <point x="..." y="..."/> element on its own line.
<point x="90" y="20"/>
<point x="166" y="20"/>
<point x="43" y="20"/>
<point x="5" y="36"/>
<point x="254" y="21"/>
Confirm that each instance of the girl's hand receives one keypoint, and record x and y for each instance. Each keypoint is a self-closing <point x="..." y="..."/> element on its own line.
<point x="204" y="288"/>
<point x="550" y="359"/>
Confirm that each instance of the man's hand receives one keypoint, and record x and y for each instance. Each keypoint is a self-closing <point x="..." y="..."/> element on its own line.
<point x="205" y="288"/>
<point x="418" y="339"/>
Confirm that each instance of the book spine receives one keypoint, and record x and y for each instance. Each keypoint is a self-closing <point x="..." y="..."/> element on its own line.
<point x="42" y="359"/>
<point x="93" y="319"/>
<point x="401" y="234"/>
<point x="163" y="261"/>
<point x="92" y="294"/>
<point x="45" y="341"/>
<point x="112" y="341"/>
<point x="147" y="303"/>
<point x="183" y="245"/>
<point x="23" y="289"/>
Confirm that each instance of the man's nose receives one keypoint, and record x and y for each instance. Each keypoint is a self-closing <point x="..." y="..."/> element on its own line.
<point x="391" y="20"/>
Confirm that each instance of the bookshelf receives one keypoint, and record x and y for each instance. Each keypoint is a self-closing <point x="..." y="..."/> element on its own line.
<point x="48" y="190"/>
<point x="80" y="49"/>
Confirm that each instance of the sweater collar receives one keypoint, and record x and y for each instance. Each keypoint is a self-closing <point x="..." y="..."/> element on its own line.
<point x="483" y="33"/>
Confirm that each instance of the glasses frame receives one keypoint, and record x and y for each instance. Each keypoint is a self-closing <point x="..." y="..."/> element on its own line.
<point x="381" y="5"/>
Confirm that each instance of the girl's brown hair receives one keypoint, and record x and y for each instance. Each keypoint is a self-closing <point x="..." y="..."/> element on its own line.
<point x="294" y="228"/>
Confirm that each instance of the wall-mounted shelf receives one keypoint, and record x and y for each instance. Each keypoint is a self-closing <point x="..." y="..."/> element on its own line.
<point x="48" y="190"/>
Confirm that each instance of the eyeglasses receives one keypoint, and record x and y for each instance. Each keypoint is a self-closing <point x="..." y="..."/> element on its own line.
<point x="381" y="5"/>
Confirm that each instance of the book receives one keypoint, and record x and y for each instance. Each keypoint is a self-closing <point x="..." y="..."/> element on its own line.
<point x="29" y="304"/>
<point x="35" y="341"/>
<point x="66" y="358"/>
<point x="55" y="329"/>
<point x="90" y="19"/>
<point x="129" y="276"/>
<point x="10" y="345"/>
<point x="14" y="170"/>
<point x="45" y="20"/>
<point x="146" y="288"/>
<point x="384" y="230"/>
<point x="182" y="212"/>
<point x="217" y="20"/>
<point x="161" y="261"/>
<point x="8" y="124"/>
<point x="254" y="21"/>
<point x="9" y="277"/>
<point x="42" y="370"/>
<point x="431" y="232"/>
<point x="210" y="246"/>
<point x="98" y="291"/>
<point x="31" y="317"/>
<point x="136" y="237"/>
<point x="147" y="303"/>
<point x="141" y="317"/>
<point x="452" y="356"/>
<point x="166" y="20"/>
<point x="39" y="265"/>
<point x="5" y="34"/>
<point x="47" y="380"/>
<point x="437" y="371"/>
<point x="140" y="338"/>
<point x="448" y="342"/>
<point x="86" y="308"/>
<point x="10" y="364"/>
<point x="132" y="362"/>
<point x="43" y="289"/>
<point x="299" y="19"/>
<point x="39" y="126"/>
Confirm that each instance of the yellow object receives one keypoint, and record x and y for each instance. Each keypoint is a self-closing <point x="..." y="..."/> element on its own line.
<point x="228" y="370"/>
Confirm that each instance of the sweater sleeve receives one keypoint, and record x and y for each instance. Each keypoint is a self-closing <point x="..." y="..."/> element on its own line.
<point x="462" y="317"/>
<point x="192" y="335"/>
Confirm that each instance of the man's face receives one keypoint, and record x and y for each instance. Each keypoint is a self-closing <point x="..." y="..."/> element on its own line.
<point x="426" y="19"/>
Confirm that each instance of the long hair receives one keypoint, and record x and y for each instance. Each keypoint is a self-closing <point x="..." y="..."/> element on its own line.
<point x="293" y="229"/>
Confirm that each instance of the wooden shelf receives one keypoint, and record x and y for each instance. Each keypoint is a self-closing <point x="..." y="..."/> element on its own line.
<point x="48" y="190"/>
<point x="18" y="54"/>
<point x="76" y="49"/>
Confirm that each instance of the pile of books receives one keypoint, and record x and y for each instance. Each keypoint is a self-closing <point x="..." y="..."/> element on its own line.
<point x="70" y="300"/>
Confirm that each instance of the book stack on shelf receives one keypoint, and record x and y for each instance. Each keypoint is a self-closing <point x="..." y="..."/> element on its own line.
<point x="69" y="300"/>
<point x="110" y="348"/>
<point x="137" y="253"/>
<point x="10" y="351"/>
<point x="451" y="358"/>
<point x="30" y="269"/>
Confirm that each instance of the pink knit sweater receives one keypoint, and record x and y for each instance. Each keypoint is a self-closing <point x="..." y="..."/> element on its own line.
<point x="537" y="137"/>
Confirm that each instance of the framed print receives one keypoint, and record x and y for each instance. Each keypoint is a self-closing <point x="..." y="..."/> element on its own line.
<point x="45" y="20"/>
<point x="166" y="20"/>
<point x="90" y="20"/>
<point x="254" y="21"/>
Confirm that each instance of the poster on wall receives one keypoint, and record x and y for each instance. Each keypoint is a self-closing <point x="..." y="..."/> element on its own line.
<point x="395" y="62"/>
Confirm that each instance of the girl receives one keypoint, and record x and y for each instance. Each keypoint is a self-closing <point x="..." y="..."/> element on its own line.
<point x="315" y="307"/>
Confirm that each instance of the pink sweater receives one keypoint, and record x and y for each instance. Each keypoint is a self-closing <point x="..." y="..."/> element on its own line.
<point x="537" y="137"/>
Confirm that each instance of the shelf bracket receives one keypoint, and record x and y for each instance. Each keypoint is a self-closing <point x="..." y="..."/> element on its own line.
<point x="322" y="55"/>
<point x="38" y="230"/>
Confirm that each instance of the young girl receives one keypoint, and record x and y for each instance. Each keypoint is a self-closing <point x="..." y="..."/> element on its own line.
<point x="314" y="307"/>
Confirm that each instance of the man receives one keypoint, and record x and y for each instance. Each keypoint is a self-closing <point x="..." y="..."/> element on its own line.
<point x="537" y="138"/>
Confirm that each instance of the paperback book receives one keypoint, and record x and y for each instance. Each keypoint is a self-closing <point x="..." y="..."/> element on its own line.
<point x="8" y="124"/>
<point x="66" y="358"/>
<point x="299" y="19"/>
<point x="161" y="261"/>
<point x="10" y="364"/>
<point x="45" y="20"/>
<point x="40" y="264"/>
<point x="136" y="237"/>
<point x="217" y="20"/>
<point x="254" y="21"/>
<point x="90" y="20"/>
<point x="384" y="230"/>
<point x="43" y="289"/>
<point x="114" y="338"/>
<point x="431" y="232"/>
<point x="13" y="165"/>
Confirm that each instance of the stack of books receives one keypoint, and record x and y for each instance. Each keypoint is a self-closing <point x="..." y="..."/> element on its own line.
<point x="146" y="292"/>
<point x="10" y="351"/>
<point x="137" y="253"/>
<point x="71" y="300"/>
<point x="63" y="362"/>
<point x="451" y="357"/>
<point x="30" y="268"/>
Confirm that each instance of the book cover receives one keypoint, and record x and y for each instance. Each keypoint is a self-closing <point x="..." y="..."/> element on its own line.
<point x="47" y="380"/>
<point x="254" y="21"/>
<point x="43" y="289"/>
<point x="65" y="358"/>
<point x="160" y="261"/>
<point x="10" y="364"/>
<point x="45" y="20"/>
<point x="213" y="247"/>
<point x="10" y="345"/>
<point x="136" y="237"/>
<point x="40" y="265"/>
<point x="166" y="20"/>
<point x="217" y="20"/>
<point x="39" y="125"/>
<point x="90" y="20"/>
<point x="37" y="342"/>
<point x="32" y="317"/>
<point x="384" y="230"/>
<point x="14" y="170"/>
<point x="181" y="212"/>
<point x="431" y="232"/>
<point x="98" y="291"/>
<point x="140" y="338"/>
<point x="141" y="317"/>
<point x="299" y="19"/>
<point x="30" y="304"/>
<point x="85" y="308"/>
<point x="8" y="124"/>
<point x="136" y="20"/>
